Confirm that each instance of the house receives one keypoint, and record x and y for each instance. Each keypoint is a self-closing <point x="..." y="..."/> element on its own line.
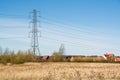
<point x="109" y="55"/>
<point x="117" y="59"/>
<point x="45" y="57"/>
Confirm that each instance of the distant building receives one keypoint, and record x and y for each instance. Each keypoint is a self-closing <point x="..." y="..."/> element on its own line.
<point x="108" y="56"/>
<point x="117" y="59"/>
<point x="45" y="57"/>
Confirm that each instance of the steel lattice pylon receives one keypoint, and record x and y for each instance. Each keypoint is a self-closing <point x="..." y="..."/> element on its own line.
<point x="34" y="33"/>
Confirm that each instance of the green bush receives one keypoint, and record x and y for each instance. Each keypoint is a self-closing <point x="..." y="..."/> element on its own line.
<point x="4" y="59"/>
<point x="29" y="57"/>
<point x="111" y="59"/>
<point x="88" y="59"/>
<point x="12" y="58"/>
<point x="57" y="57"/>
<point x="80" y="59"/>
<point x="16" y="58"/>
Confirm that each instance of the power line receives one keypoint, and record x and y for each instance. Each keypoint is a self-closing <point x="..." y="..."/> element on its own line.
<point x="63" y="35"/>
<point x="13" y="37"/>
<point x="49" y="38"/>
<point x="61" y="24"/>
<point x="69" y="42"/>
<point x="60" y="33"/>
<point x="78" y="44"/>
<point x="63" y="31"/>
<point x="54" y="31"/>
<point x="57" y="23"/>
<point x="13" y="15"/>
<point x="53" y="22"/>
<point x="12" y="27"/>
<point x="71" y="36"/>
<point x="69" y="27"/>
<point x="75" y="28"/>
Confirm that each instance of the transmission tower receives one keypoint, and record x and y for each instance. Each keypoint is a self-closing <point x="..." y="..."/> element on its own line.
<point x="34" y="33"/>
<point x="62" y="49"/>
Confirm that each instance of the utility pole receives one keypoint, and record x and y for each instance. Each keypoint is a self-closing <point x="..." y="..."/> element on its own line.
<point x="34" y="33"/>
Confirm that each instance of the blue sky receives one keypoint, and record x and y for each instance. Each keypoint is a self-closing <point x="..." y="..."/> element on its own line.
<point x="85" y="27"/>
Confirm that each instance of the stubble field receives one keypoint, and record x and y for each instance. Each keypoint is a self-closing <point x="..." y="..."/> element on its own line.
<point x="60" y="71"/>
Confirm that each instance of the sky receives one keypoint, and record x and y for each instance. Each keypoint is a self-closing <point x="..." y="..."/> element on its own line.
<point x="85" y="27"/>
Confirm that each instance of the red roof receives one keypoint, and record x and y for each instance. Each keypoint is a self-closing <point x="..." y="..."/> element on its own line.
<point x="109" y="55"/>
<point x="117" y="59"/>
<point x="45" y="57"/>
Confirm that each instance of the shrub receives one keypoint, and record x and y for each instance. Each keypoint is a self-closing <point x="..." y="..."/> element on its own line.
<point x="12" y="58"/>
<point x="88" y="59"/>
<point x="29" y="57"/>
<point x="57" y="57"/>
<point x="111" y="59"/>
<point x="16" y="58"/>
<point x="4" y="59"/>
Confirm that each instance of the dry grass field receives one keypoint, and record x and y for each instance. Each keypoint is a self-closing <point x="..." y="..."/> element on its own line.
<point x="60" y="71"/>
